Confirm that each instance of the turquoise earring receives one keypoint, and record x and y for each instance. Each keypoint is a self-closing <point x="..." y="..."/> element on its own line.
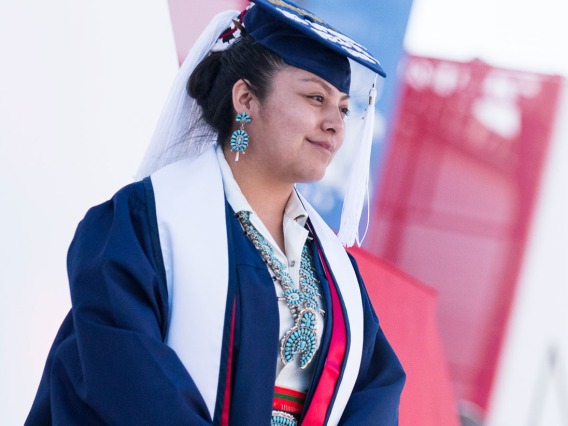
<point x="240" y="138"/>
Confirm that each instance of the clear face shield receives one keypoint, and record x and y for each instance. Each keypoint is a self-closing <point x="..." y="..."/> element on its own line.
<point x="347" y="177"/>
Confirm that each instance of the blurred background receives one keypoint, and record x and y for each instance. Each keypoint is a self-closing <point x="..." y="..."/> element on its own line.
<point x="466" y="257"/>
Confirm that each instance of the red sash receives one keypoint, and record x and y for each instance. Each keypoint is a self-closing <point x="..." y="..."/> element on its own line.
<point x="329" y="380"/>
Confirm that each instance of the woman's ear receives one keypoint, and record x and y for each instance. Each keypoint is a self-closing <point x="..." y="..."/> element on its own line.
<point x="242" y="96"/>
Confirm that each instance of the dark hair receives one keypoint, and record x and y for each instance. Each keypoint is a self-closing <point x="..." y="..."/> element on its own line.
<point x="212" y="81"/>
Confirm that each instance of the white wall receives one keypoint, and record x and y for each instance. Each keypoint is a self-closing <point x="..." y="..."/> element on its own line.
<point x="530" y="390"/>
<point x="517" y="34"/>
<point x="81" y="86"/>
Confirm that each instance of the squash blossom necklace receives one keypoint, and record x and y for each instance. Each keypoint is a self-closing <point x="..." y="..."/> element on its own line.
<point x="303" y="302"/>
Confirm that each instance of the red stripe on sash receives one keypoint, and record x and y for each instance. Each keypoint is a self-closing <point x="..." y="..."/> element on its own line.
<point x="290" y="392"/>
<point x="288" y="400"/>
<point x="227" y="398"/>
<point x="321" y="401"/>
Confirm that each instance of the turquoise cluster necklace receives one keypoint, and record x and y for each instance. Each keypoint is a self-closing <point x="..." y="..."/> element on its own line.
<point x="303" y="302"/>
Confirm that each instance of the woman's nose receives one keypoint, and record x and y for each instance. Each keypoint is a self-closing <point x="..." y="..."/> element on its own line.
<point x="333" y="121"/>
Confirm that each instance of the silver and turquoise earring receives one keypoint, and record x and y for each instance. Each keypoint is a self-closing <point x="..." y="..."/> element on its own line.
<point x="240" y="138"/>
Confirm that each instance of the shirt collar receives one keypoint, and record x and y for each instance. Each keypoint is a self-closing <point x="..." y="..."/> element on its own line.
<point x="295" y="209"/>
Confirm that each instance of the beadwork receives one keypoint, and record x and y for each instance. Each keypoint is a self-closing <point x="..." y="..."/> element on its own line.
<point x="243" y="117"/>
<point x="303" y="302"/>
<point x="281" y="418"/>
<point x="301" y="339"/>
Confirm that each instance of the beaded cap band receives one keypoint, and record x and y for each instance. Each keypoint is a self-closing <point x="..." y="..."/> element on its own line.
<point x="231" y="34"/>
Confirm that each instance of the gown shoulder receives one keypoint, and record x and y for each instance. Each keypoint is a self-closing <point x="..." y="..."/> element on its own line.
<point x="109" y="358"/>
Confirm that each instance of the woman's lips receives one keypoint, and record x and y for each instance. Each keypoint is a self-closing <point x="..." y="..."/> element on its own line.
<point x="327" y="146"/>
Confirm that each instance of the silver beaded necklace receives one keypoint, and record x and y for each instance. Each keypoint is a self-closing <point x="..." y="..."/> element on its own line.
<point x="304" y="302"/>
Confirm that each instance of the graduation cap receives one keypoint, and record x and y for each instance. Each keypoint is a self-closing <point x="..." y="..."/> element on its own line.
<point x="273" y="20"/>
<point x="305" y="41"/>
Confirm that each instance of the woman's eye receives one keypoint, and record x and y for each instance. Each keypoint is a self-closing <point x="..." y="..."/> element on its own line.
<point x="345" y="111"/>
<point x="317" y="98"/>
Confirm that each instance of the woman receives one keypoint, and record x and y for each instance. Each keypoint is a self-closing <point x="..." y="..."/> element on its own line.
<point x="210" y="292"/>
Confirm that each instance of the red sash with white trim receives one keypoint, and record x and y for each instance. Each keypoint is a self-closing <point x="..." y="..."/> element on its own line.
<point x="323" y="395"/>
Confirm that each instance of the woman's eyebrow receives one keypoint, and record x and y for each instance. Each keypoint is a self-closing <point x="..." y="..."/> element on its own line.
<point x="323" y="85"/>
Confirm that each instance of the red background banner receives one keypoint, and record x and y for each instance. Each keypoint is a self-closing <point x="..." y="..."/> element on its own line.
<point x="458" y="194"/>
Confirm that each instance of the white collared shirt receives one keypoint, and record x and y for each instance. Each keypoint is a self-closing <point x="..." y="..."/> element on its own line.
<point x="295" y="235"/>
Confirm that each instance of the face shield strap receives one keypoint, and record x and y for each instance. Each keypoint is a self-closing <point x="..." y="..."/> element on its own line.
<point x="357" y="190"/>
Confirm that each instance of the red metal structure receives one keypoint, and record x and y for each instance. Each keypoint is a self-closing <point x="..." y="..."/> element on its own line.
<point x="457" y="197"/>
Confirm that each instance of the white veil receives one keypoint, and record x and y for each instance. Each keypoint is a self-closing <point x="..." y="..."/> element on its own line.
<point x="180" y="124"/>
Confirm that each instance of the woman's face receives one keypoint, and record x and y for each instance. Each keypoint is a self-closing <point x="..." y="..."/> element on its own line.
<point x="296" y="131"/>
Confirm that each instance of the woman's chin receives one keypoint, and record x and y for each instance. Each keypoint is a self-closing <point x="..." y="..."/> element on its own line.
<point x="313" y="176"/>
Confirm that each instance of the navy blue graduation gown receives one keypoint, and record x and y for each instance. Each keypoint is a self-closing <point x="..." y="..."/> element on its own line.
<point x="109" y="363"/>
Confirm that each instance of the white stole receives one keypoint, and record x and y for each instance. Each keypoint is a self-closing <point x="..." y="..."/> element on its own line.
<point x="190" y="209"/>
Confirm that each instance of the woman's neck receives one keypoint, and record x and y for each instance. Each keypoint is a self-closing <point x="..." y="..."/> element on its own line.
<point x="267" y="197"/>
